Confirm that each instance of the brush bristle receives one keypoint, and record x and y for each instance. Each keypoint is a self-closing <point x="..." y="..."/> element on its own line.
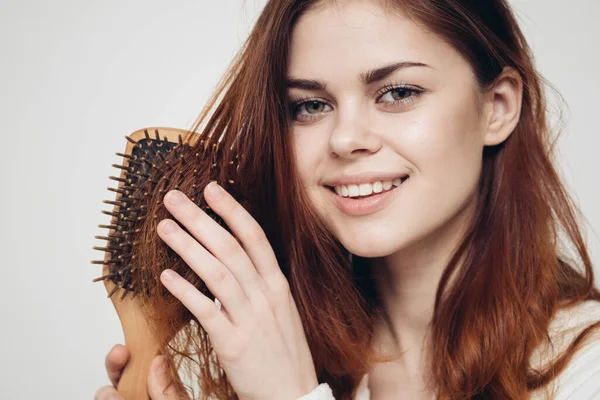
<point x="142" y="175"/>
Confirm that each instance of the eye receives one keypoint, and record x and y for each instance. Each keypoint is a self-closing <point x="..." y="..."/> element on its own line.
<point x="308" y="109"/>
<point x="314" y="107"/>
<point x="398" y="94"/>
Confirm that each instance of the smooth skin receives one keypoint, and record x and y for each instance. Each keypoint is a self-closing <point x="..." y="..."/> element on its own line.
<point x="258" y="322"/>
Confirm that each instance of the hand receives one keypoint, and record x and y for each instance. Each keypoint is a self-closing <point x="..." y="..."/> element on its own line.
<point x="115" y="361"/>
<point x="257" y="333"/>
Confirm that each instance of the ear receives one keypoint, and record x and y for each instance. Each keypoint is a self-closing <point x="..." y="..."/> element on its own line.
<point x="503" y="106"/>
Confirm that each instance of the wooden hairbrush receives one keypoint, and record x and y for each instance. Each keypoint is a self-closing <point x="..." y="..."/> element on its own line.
<point x="153" y="165"/>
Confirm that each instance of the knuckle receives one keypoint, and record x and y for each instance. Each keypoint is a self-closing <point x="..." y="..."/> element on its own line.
<point x="256" y="235"/>
<point x="281" y="287"/>
<point x="229" y="246"/>
<point x="205" y="313"/>
<point x="187" y="294"/>
<point x="197" y="216"/>
<point x="219" y="275"/>
<point x="187" y="247"/>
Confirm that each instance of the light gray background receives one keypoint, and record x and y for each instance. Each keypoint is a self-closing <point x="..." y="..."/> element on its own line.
<point x="75" y="76"/>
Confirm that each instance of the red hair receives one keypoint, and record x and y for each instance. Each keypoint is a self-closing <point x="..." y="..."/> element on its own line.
<point x="514" y="272"/>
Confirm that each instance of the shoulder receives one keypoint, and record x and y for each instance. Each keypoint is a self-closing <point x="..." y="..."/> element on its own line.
<point x="568" y="323"/>
<point x="581" y="378"/>
<point x="578" y="316"/>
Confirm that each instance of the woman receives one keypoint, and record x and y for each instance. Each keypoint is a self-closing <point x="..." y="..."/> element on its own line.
<point x="421" y="153"/>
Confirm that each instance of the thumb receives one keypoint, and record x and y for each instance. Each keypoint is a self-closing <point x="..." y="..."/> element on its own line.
<point x="158" y="385"/>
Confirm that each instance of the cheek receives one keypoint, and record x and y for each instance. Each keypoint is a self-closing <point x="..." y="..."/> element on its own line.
<point x="447" y="139"/>
<point x="454" y="160"/>
<point x="307" y="156"/>
<point x="445" y="146"/>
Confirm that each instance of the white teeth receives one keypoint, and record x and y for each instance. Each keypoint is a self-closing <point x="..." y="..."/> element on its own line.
<point x="377" y="187"/>
<point x="365" y="189"/>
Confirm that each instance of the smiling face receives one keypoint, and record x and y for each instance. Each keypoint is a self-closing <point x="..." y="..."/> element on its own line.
<point x="417" y="123"/>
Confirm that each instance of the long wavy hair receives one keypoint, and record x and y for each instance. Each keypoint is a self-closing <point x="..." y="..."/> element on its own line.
<point x="497" y="310"/>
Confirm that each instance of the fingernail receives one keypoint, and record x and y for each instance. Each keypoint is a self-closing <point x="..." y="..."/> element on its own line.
<point x="214" y="190"/>
<point x="169" y="226"/>
<point x="168" y="275"/>
<point x="174" y="197"/>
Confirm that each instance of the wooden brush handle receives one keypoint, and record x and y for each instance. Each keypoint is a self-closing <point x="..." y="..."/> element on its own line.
<point x="139" y="341"/>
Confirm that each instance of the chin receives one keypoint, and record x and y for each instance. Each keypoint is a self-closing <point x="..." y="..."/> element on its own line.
<point x="383" y="243"/>
<point x="371" y="250"/>
<point x="370" y="253"/>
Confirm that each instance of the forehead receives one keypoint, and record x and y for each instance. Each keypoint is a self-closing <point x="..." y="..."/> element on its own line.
<point x="358" y="35"/>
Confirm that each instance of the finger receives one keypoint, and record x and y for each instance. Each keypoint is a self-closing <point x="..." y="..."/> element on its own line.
<point x="218" y="278"/>
<point x="216" y="239"/>
<point x="245" y="228"/>
<point x="158" y="385"/>
<point x="209" y="315"/>
<point x="115" y="361"/>
<point x="107" y="393"/>
<point x="256" y="245"/>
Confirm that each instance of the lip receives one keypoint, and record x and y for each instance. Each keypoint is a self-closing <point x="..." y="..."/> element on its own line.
<point x="367" y="205"/>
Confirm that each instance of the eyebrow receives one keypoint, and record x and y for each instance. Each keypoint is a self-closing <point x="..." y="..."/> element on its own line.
<point x="365" y="78"/>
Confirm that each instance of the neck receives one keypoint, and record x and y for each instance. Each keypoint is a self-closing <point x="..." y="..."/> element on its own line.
<point x="407" y="283"/>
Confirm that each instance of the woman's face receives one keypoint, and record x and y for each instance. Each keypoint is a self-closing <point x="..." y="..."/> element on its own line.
<point x="418" y="125"/>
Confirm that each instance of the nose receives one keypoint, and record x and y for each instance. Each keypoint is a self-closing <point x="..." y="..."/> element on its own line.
<point x="352" y="136"/>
